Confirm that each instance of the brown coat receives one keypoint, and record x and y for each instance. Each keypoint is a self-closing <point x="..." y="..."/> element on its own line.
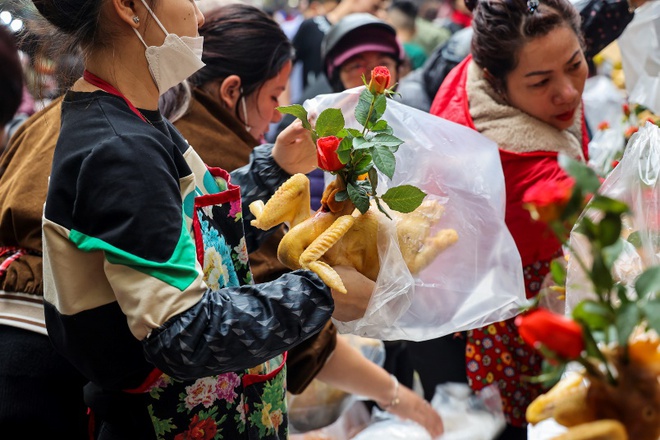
<point x="24" y="171"/>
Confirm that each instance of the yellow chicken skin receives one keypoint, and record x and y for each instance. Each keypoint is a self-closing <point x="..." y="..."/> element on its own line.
<point x="594" y="409"/>
<point x="338" y="234"/>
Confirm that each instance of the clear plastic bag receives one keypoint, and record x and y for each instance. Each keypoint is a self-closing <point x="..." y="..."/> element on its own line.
<point x="321" y="405"/>
<point x="635" y="181"/>
<point x="465" y="416"/>
<point x="476" y="281"/>
<point x="603" y="103"/>
<point x="640" y="56"/>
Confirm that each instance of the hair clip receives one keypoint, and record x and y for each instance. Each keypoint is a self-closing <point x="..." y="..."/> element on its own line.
<point x="532" y="5"/>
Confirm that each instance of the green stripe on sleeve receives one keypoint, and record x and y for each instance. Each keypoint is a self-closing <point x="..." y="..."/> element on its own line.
<point x="179" y="271"/>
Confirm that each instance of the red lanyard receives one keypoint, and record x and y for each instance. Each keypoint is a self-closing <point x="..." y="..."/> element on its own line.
<point x="106" y="87"/>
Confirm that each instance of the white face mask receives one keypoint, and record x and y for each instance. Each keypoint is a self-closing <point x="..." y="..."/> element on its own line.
<point x="245" y="115"/>
<point x="174" y="61"/>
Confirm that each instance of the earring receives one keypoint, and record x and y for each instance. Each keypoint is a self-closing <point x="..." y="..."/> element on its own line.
<point x="136" y="19"/>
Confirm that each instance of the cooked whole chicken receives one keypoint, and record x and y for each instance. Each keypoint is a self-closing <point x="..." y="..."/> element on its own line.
<point x="338" y="234"/>
<point x="593" y="409"/>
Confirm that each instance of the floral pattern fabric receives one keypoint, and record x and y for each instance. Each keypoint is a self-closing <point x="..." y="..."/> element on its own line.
<point x="240" y="405"/>
<point x="497" y="354"/>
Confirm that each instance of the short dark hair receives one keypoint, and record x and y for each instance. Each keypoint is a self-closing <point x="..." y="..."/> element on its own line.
<point x="11" y="77"/>
<point x="503" y="27"/>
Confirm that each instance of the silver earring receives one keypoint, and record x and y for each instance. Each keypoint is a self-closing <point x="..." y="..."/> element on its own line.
<point x="136" y="19"/>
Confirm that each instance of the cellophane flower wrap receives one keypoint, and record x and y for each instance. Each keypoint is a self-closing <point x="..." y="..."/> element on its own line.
<point x="608" y="333"/>
<point x="397" y="157"/>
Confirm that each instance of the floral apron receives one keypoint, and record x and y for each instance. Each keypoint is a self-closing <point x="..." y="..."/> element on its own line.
<point x="239" y="405"/>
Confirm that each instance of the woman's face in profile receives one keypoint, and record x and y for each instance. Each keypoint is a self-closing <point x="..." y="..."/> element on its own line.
<point x="262" y="104"/>
<point x="549" y="79"/>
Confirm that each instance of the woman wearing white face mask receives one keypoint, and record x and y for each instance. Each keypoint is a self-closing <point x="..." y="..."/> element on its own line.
<point x="147" y="287"/>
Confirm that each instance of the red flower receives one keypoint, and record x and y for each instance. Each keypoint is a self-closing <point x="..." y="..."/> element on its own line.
<point x="547" y="199"/>
<point x="603" y="126"/>
<point x="626" y="110"/>
<point x="614" y="164"/>
<point x="199" y="430"/>
<point x="556" y="332"/>
<point x="380" y="80"/>
<point x="631" y="130"/>
<point x="326" y="152"/>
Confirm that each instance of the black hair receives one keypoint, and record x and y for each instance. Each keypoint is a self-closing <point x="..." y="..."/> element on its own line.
<point x="11" y="77"/>
<point x="503" y="27"/>
<point x="242" y="40"/>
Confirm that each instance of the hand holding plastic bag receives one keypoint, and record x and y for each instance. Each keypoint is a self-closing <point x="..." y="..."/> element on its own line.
<point x="479" y="279"/>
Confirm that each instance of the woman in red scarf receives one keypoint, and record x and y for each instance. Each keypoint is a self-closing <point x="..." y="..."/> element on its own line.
<point x="521" y="87"/>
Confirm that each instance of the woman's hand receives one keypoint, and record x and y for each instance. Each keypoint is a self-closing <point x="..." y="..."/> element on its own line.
<point x="352" y="305"/>
<point x="413" y="407"/>
<point x="348" y="370"/>
<point x="294" y="150"/>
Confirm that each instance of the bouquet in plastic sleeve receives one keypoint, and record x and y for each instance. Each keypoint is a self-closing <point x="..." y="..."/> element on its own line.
<point x="412" y="201"/>
<point x="610" y="333"/>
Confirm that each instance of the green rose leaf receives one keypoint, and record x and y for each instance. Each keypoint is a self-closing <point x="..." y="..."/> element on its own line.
<point x="363" y="165"/>
<point x="609" y="229"/>
<point x="611" y="253"/>
<point x="344" y="149"/>
<point x="648" y="282"/>
<point x="651" y="310"/>
<point x="622" y="293"/>
<point x="362" y="107"/>
<point x="558" y="272"/>
<point x="360" y="143"/>
<point x="380" y="125"/>
<point x="586" y="227"/>
<point x="596" y="315"/>
<point x="635" y="239"/>
<point x="607" y="205"/>
<point x="353" y="132"/>
<point x="329" y="122"/>
<point x="585" y="177"/>
<point x="627" y="318"/>
<point x="379" y="109"/>
<point x="404" y="198"/>
<point x="384" y="159"/>
<point x="298" y="111"/>
<point x="340" y="196"/>
<point x="359" y="197"/>
<point x="387" y="140"/>
<point x="590" y="340"/>
<point x="373" y="179"/>
<point x="601" y="276"/>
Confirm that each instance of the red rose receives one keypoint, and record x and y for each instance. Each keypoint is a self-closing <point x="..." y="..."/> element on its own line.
<point x="199" y="430"/>
<point x="380" y="80"/>
<point x="626" y="110"/>
<point x="561" y="335"/>
<point x="630" y="131"/>
<point x="603" y="126"/>
<point x="546" y="200"/>
<point x="326" y="152"/>
<point x="614" y="164"/>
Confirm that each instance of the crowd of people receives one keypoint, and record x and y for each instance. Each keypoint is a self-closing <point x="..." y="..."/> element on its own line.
<point x="138" y="302"/>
